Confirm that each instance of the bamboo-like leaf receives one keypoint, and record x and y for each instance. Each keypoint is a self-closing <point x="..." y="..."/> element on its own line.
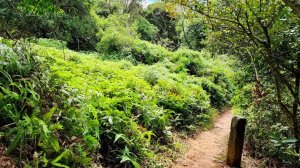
<point x="15" y="141"/>
<point x="47" y="117"/>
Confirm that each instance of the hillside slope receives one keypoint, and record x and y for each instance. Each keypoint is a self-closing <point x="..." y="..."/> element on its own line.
<point x="104" y="112"/>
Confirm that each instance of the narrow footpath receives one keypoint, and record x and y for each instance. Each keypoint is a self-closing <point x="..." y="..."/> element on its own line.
<point x="208" y="149"/>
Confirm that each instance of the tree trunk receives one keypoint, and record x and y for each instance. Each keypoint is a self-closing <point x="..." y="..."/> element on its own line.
<point x="295" y="107"/>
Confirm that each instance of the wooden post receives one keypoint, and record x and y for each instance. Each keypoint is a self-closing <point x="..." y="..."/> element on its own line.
<point x="236" y="141"/>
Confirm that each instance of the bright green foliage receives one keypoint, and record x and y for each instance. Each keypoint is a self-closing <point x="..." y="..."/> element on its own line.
<point x="117" y="46"/>
<point x="118" y="22"/>
<point x="147" y="52"/>
<point x="113" y="44"/>
<point x="117" y="107"/>
<point x="104" y="8"/>
<point x="215" y="77"/>
<point x="119" y="40"/>
<point x="51" y="43"/>
<point x="122" y="109"/>
<point x="16" y="69"/>
<point x="191" y="60"/>
<point x="30" y="123"/>
<point x="188" y="103"/>
<point x="146" y="30"/>
<point x="66" y="20"/>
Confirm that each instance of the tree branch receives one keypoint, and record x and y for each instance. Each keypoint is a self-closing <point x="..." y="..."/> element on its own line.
<point x="295" y="5"/>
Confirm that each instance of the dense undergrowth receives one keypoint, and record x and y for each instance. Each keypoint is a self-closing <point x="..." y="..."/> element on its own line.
<point x="137" y="83"/>
<point x="62" y="108"/>
<point x="272" y="141"/>
<point x="117" y="105"/>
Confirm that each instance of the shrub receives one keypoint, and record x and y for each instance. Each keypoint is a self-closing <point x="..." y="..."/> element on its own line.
<point x="189" y="103"/>
<point x="17" y="93"/>
<point x="114" y="43"/>
<point x="148" y="53"/>
<point x="268" y="135"/>
<point x="190" y="60"/>
<point x="118" y="46"/>
<point x="215" y="76"/>
<point x="146" y="30"/>
<point x="28" y="105"/>
<point x="217" y="93"/>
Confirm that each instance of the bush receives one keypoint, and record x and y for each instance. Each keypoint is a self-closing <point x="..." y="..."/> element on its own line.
<point x="268" y="135"/>
<point x="218" y="97"/>
<point x="146" y="30"/>
<point x="148" y="53"/>
<point x="215" y="76"/>
<point x="182" y="95"/>
<point x="115" y="44"/>
<point x="189" y="104"/>
<point x="190" y="60"/>
<point x="30" y="107"/>
<point x="119" y="40"/>
<point x="17" y="93"/>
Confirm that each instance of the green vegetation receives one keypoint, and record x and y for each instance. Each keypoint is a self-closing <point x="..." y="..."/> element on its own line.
<point x="263" y="36"/>
<point x="46" y="19"/>
<point x="111" y="83"/>
<point x="121" y="110"/>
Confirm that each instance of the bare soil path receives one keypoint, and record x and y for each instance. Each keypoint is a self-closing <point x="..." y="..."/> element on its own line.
<point x="208" y="149"/>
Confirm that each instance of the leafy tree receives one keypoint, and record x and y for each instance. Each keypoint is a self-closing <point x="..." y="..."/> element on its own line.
<point x="104" y="8"/>
<point x="264" y="33"/>
<point x="157" y="15"/>
<point x="66" y="20"/>
<point x="192" y="33"/>
<point x="134" y="7"/>
<point x="146" y="30"/>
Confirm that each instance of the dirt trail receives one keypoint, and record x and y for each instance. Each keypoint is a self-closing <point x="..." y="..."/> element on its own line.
<point x="208" y="148"/>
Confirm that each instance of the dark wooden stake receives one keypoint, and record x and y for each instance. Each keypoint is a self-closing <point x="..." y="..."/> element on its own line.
<point x="236" y="141"/>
